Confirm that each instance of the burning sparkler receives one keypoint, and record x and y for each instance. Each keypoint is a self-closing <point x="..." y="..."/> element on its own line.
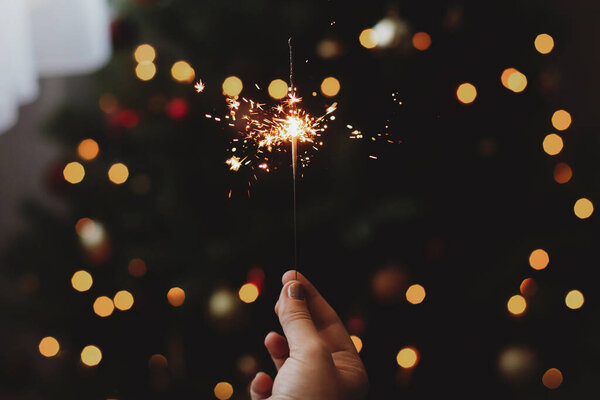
<point x="199" y="86"/>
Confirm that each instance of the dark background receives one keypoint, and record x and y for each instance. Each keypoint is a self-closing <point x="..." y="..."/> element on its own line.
<point x="458" y="206"/>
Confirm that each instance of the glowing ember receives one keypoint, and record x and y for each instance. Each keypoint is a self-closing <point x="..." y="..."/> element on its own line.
<point x="234" y="163"/>
<point x="199" y="86"/>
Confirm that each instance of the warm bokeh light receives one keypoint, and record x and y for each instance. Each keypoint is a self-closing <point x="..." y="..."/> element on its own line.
<point x="516" y="304"/>
<point x="358" y="344"/>
<point x="583" y="208"/>
<point x="91" y="356"/>
<point x="49" y="346"/>
<point x="222" y="303"/>
<point x="248" y="293"/>
<point x="91" y="233"/>
<point x="108" y="103"/>
<point x="574" y="299"/>
<point x="223" y="390"/>
<point x="421" y="41"/>
<point x="544" y="43"/>
<point x="415" y="294"/>
<point x="176" y="296"/>
<point x="407" y="357"/>
<point x="118" y="173"/>
<point x="330" y="86"/>
<point x="562" y="173"/>
<point x="561" y="120"/>
<point x="466" y="93"/>
<point x="552" y="144"/>
<point x="181" y="71"/>
<point x="368" y="38"/>
<point x="88" y="149"/>
<point x="145" y="70"/>
<point x="144" y="52"/>
<point x="82" y="281"/>
<point x="123" y="300"/>
<point x="137" y="267"/>
<point x="158" y="361"/>
<point x="505" y="75"/>
<point x="232" y="86"/>
<point x="552" y="378"/>
<point x="528" y="287"/>
<point x="278" y="89"/>
<point x="517" y="82"/>
<point x="74" y="172"/>
<point x="539" y="259"/>
<point x="103" y="306"/>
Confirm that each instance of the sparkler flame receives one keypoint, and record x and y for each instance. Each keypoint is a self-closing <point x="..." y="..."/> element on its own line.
<point x="199" y="86"/>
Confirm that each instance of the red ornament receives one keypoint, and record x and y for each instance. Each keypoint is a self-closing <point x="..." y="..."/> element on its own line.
<point x="177" y="108"/>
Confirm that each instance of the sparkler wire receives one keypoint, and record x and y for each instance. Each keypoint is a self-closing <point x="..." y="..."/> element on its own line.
<point x="294" y="165"/>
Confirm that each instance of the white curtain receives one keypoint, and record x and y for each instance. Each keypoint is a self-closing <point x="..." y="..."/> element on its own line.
<point x="41" y="38"/>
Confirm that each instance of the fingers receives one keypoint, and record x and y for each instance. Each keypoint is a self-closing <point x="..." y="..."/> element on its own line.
<point x="261" y="386"/>
<point x="328" y="324"/>
<point x="295" y="318"/>
<point x="278" y="348"/>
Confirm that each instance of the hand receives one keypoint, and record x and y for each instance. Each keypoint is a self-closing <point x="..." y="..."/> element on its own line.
<point x="316" y="360"/>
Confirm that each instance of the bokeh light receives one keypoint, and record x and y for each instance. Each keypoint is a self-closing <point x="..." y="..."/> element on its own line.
<point x="248" y="293"/>
<point x="108" y="103"/>
<point x="223" y="390"/>
<point x="137" y="267"/>
<point x="583" y="208"/>
<point x="407" y="357"/>
<point x="543" y="43"/>
<point x="505" y="75"/>
<point x="144" y="52"/>
<point x="561" y="120"/>
<point x="176" y="296"/>
<point x="539" y="259"/>
<point x="158" y="361"/>
<point x="91" y="355"/>
<point x="221" y="303"/>
<point x="91" y="233"/>
<point x="415" y="294"/>
<point x="145" y="70"/>
<point x="82" y="281"/>
<point x="528" y="287"/>
<point x="358" y="344"/>
<point x="49" y="346"/>
<point x="552" y="144"/>
<point x="182" y="71"/>
<point x="552" y="378"/>
<point x="517" y="81"/>
<point x="88" y="149"/>
<point x="103" y="306"/>
<point x="562" y="173"/>
<point x="517" y="363"/>
<point x="123" y="300"/>
<point x="516" y="304"/>
<point x="232" y="86"/>
<point x="278" y="89"/>
<point x="118" y="173"/>
<point x="421" y="41"/>
<point x="574" y="299"/>
<point x="466" y="93"/>
<point x="74" y="172"/>
<point x="330" y="86"/>
<point x="368" y="38"/>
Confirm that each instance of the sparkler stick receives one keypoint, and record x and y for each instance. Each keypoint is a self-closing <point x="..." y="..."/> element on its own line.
<point x="294" y="164"/>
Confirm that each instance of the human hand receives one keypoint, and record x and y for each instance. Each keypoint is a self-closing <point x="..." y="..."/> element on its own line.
<point x="316" y="360"/>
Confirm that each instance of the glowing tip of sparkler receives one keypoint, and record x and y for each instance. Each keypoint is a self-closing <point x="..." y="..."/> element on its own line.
<point x="199" y="86"/>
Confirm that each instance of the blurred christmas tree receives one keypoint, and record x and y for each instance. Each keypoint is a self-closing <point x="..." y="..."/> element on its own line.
<point x="458" y="207"/>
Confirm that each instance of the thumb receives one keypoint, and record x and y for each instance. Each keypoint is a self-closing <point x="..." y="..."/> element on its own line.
<point x="295" y="318"/>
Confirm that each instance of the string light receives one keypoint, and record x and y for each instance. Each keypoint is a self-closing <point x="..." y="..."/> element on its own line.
<point x="583" y="208"/>
<point x="183" y="72"/>
<point x="176" y="296"/>
<point x="82" y="281"/>
<point x="49" y="346"/>
<point x="368" y="38"/>
<point x="91" y="355"/>
<point x="543" y="43"/>
<point x="407" y="357"/>
<point x="223" y="390"/>
<point x="421" y="41"/>
<point x="552" y="378"/>
<point x="516" y="304"/>
<point x="415" y="294"/>
<point x="528" y="287"/>
<point x="278" y="89"/>
<point x="562" y="173"/>
<point x="145" y="70"/>
<point x="144" y="52"/>
<point x="248" y="293"/>
<point x="561" y="120"/>
<point x="103" y="306"/>
<point x="232" y="86"/>
<point x="88" y="149"/>
<point x="73" y="172"/>
<point x="552" y="144"/>
<point x="330" y="86"/>
<point x="516" y="81"/>
<point x="574" y="299"/>
<point x="118" y="173"/>
<point x="123" y="300"/>
<point x="539" y="259"/>
<point x="466" y="93"/>
<point x="358" y="344"/>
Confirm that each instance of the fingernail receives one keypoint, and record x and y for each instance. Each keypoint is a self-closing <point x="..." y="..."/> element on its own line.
<point x="296" y="291"/>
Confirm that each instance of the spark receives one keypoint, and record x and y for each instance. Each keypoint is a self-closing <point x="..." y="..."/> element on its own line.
<point x="234" y="163"/>
<point x="199" y="86"/>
